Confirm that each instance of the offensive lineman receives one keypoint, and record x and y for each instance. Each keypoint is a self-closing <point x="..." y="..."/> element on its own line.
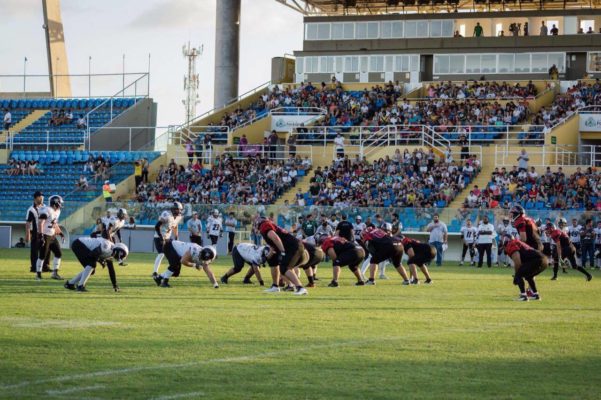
<point x="420" y="254"/>
<point x="468" y="235"/>
<point x="344" y="253"/>
<point x="89" y="251"/>
<point x="190" y="255"/>
<point x="528" y="263"/>
<point x="48" y="229"/>
<point x="383" y="247"/>
<point x="566" y="251"/>
<point x="166" y="228"/>
<point x="247" y="253"/>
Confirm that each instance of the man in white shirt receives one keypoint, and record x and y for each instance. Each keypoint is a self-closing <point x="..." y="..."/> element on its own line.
<point x="230" y="227"/>
<point x="574" y="235"/>
<point x="468" y="235"/>
<point x="486" y="234"/>
<point x="8" y="119"/>
<point x="339" y="145"/>
<point x="438" y="237"/>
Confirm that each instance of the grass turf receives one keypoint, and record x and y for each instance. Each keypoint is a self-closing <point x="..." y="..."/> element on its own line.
<point x="461" y="338"/>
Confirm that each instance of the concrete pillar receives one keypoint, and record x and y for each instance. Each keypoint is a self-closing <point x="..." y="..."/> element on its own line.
<point x="58" y="67"/>
<point x="227" y="51"/>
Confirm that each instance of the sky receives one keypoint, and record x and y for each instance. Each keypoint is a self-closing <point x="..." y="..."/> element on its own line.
<point x="108" y="29"/>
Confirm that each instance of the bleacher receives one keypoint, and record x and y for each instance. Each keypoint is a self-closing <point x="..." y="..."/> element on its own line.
<point x="60" y="172"/>
<point x="66" y="135"/>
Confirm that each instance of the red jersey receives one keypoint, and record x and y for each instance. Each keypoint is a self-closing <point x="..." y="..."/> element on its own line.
<point x="560" y="237"/>
<point x="373" y="233"/>
<point x="517" y="245"/>
<point x="526" y="224"/>
<point x="333" y="242"/>
<point x="409" y="243"/>
<point x="287" y="239"/>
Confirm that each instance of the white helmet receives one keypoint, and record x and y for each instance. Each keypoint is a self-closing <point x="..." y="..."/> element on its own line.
<point x="122" y="213"/>
<point x="216" y="212"/>
<point x="120" y="252"/>
<point x="176" y="208"/>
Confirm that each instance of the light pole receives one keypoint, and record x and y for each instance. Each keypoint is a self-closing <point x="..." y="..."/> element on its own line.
<point x="123" y="84"/>
<point x="89" y="76"/>
<point x="24" y="76"/>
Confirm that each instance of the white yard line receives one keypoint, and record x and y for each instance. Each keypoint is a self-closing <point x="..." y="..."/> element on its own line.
<point x="236" y="359"/>
<point x="73" y="390"/>
<point x="16" y="322"/>
<point x="179" y="396"/>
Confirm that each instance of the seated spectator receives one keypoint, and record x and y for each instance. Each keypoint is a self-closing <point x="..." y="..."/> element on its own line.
<point x="82" y="183"/>
<point x="81" y="122"/>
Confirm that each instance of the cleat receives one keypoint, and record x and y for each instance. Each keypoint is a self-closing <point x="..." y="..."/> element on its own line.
<point x="155" y="274"/>
<point x="535" y="296"/>
<point x="370" y="283"/>
<point x="461" y="263"/>
<point x="215" y="285"/>
<point x="301" y="291"/>
<point x="315" y="278"/>
<point x="246" y="282"/>
<point x="224" y="280"/>
<point x="414" y="281"/>
<point x="81" y="289"/>
<point x="157" y="279"/>
<point x="589" y="277"/>
<point x="33" y="270"/>
<point x="289" y="288"/>
<point x="406" y="283"/>
<point x="56" y="276"/>
<point x="273" y="289"/>
<point x="69" y="286"/>
<point x="428" y="281"/>
<point x="123" y="263"/>
<point x="38" y="276"/>
<point x="360" y="283"/>
<point x="165" y="284"/>
<point x="522" y="297"/>
<point x="311" y="284"/>
<point x="333" y="284"/>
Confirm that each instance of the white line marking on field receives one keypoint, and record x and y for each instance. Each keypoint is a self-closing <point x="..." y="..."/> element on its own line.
<point x="179" y="396"/>
<point x="30" y="323"/>
<point x="253" y="357"/>
<point x="73" y="390"/>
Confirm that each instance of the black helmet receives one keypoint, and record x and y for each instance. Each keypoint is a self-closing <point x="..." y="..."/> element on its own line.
<point x="516" y="212"/>
<point x="549" y="227"/>
<point x="208" y="253"/>
<point x="122" y="213"/>
<point x="56" y="201"/>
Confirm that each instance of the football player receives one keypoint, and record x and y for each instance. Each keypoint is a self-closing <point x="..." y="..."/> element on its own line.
<point x="188" y="254"/>
<point x="566" y="251"/>
<point x="343" y="253"/>
<point x="574" y="233"/>
<point x="316" y="256"/>
<point x="90" y="251"/>
<point x="528" y="263"/>
<point x="48" y="230"/>
<point x="526" y="227"/>
<point x="420" y="254"/>
<point x="214" y="227"/>
<point x="383" y="247"/>
<point x="247" y="253"/>
<point x="503" y="229"/>
<point x="598" y="245"/>
<point x="165" y="229"/>
<point x="31" y="231"/>
<point x="468" y="235"/>
<point x="289" y="254"/>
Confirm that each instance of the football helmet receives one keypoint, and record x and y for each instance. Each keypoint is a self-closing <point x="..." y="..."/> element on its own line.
<point x="176" y="208"/>
<point x="120" y="252"/>
<point x="56" y="201"/>
<point x="122" y="213"/>
<point x="516" y="212"/>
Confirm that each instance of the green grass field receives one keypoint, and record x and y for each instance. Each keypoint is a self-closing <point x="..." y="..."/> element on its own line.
<point x="464" y="337"/>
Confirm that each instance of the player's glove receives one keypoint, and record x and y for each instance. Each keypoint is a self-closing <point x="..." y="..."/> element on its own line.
<point x="281" y="258"/>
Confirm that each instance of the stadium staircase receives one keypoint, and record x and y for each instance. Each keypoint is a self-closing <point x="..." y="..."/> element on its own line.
<point x="24" y="123"/>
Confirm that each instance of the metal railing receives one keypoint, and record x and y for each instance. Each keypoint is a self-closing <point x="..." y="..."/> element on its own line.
<point x="50" y="142"/>
<point x="552" y="156"/>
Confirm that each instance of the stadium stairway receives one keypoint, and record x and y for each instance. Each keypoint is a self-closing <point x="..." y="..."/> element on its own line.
<point x="481" y="180"/>
<point x="24" y="123"/>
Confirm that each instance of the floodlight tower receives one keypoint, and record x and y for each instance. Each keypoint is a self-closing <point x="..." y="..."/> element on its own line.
<point x="191" y="80"/>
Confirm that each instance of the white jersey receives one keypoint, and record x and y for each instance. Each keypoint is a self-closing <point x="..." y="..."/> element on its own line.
<point x="251" y="254"/>
<point x="195" y="227"/>
<point x="214" y="225"/>
<point x="50" y="217"/>
<point x="115" y="223"/>
<point x="469" y="234"/>
<point x="574" y="233"/>
<point x="168" y="224"/>
<point x="508" y="229"/>
<point x="358" y="229"/>
<point x="106" y="246"/>
<point x="182" y="247"/>
<point x="486" y="238"/>
<point x="597" y="235"/>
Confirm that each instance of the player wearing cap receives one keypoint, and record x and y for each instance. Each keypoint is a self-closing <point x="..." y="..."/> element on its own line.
<point x="190" y="255"/>
<point x="90" y="251"/>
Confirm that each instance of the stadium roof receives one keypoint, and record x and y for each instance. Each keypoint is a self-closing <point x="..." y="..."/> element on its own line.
<point x="371" y="7"/>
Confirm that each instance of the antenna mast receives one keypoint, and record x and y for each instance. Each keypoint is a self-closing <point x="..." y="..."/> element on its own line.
<point x="191" y="81"/>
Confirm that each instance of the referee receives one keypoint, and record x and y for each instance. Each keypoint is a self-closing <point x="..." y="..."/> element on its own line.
<point x="31" y="231"/>
<point x="486" y="232"/>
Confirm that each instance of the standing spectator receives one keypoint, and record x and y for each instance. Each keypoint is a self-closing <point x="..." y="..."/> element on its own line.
<point x="438" y="237"/>
<point x="339" y="145"/>
<point x="587" y="243"/>
<point x="465" y="149"/>
<point x="195" y="229"/>
<point x="523" y="161"/>
<point x="8" y="119"/>
<point x="553" y="72"/>
<point x="230" y="227"/>
<point x="544" y="31"/>
<point x="198" y="143"/>
<point x="81" y="122"/>
<point x="478" y="31"/>
<point x="145" y="164"/>
<point x="189" y="151"/>
<point x="138" y="174"/>
<point x="486" y="232"/>
<point x="208" y="144"/>
<point x="242" y="146"/>
<point x="590" y="30"/>
<point x="554" y="30"/>
<point x="273" y="142"/>
<point x="106" y="192"/>
<point x="292" y="145"/>
<point x="525" y="28"/>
